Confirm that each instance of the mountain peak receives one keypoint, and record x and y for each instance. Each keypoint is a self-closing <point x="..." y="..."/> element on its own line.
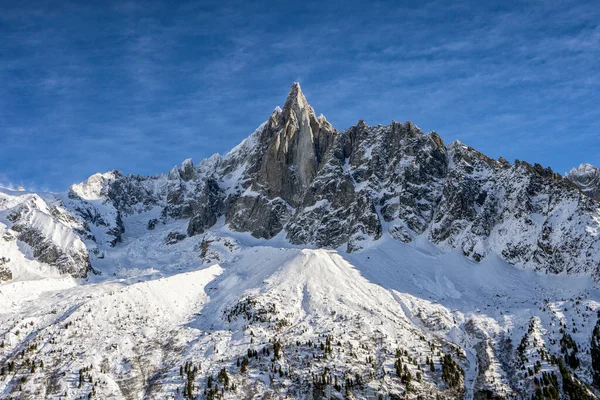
<point x="582" y="168"/>
<point x="296" y="89"/>
<point x="295" y="143"/>
<point x="587" y="177"/>
<point x="296" y="100"/>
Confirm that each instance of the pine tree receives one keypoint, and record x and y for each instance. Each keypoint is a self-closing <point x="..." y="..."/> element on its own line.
<point x="223" y="377"/>
<point x="276" y="350"/>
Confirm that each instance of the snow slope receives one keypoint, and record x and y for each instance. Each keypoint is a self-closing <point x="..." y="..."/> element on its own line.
<point x="208" y="300"/>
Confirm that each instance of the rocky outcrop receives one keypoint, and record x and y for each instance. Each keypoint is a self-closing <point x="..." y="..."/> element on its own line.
<point x="174" y="237"/>
<point x="5" y="272"/>
<point x="259" y="215"/>
<point x="208" y="208"/>
<point x="289" y="150"/>
<point x="187" y="171"/>
<point x="294" y="144"/>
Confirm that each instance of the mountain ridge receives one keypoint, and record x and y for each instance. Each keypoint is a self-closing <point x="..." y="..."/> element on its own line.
<point x="298" y="175"/>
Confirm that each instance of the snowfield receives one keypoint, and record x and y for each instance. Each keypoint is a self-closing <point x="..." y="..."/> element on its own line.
<point x="212" y="300"/>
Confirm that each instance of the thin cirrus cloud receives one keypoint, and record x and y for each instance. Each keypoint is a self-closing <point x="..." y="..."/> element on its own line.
<point x="141" y="86"/>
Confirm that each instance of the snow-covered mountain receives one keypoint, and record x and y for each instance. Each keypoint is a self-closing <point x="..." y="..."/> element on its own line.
<point x="375" y="262"/>
<point x="587" y="177"/>
<point x="38" y="233"/>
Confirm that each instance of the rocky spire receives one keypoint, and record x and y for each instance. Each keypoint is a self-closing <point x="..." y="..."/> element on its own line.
<point x="296" y="101"/>
<point x="297" y="141"/>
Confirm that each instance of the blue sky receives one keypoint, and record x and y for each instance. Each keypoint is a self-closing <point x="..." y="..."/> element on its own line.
<point x="140" y="86"/>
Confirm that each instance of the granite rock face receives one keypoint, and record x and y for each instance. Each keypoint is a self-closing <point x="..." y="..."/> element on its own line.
<point x="289" y="150"/>
<point x="294" y="145"/>
<point x="208" y="208"/>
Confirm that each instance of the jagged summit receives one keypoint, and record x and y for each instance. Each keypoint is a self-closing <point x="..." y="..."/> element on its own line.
<point x="297" y="104"/>
<point x="295" y="97"/>
<point x="294" y="144"/>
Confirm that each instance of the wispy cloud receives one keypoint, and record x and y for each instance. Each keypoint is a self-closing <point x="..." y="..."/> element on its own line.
<point x="141" y="86"/>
